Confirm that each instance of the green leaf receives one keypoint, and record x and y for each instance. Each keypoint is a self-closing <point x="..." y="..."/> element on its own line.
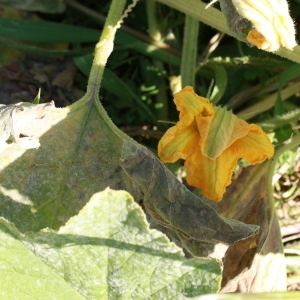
<point x="44" y="31"/>
<point x="110" y="81"/>
<point x="271" y="124"/>
<point x="260" y="296"/>
<point x="42" y="50"/>
<point x="278" y="107"/>
<point x="130" y="42"/>
<point x="82" y="153"/>
<point x="23" y="275"/>
<point x="36" y="100"/>
<point x="50" y="7"/>
<point x="283" y="133"/>
<point x="220" y="86"/>
<point x="288" y="74"/>
<point x="107" y="251"/>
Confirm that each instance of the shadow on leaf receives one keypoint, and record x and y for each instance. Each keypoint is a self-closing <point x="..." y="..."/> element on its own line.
<point x="80" y="155"/>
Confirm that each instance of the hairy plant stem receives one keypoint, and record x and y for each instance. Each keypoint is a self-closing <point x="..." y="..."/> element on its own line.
<point x="189" y="53"/>
<point x="215" y="18"/>
<point x="104" y="48"/>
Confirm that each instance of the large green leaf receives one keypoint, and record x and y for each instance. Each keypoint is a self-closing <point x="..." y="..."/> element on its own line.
<point x="50" y="7"/>
<point x="107" y="251"/>
<point x="43" y="31"/>
<point x="82" y="153"/>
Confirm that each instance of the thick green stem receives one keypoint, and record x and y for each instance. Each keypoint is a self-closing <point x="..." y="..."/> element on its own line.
<point x="189" y="53"/>
<point x="152" y="23"/>
<point x="215" y="18"/>
<point x="104" y="48"/>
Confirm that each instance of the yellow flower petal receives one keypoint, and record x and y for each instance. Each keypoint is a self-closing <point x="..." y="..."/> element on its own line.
<point x="180" y="140"/>
<point x="256" y="38"/>
<point x="255" y="147"/>
<point x="178" y="143"/>
<point x="190" y="105"/>
<point x="212" y="176"/>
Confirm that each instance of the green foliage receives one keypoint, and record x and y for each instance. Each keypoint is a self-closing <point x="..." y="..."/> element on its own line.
<point x="90" y="257"/>
<point x="93" y="258"/>
<point x="53" y="7"/>
<point x="263" y="296"/>
<point x="220" y="85"/>
<point x="98" y="244"/>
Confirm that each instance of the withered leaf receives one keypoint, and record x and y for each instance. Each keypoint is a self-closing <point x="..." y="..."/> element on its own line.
<point x="255" y="264"/>
<point x="21" y="123"/>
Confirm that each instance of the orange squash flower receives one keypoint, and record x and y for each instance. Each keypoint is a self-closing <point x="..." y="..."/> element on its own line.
<point x="211" y="139"/>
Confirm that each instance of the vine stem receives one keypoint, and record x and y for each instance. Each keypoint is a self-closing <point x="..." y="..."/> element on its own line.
<point x="189" y="53"/>
<point x="104" y="48"/>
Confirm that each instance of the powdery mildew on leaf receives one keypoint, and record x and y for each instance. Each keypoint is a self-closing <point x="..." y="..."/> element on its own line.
<point x="171" y="205"/>
<point x="23" y="274"/>
<point x="81" y="155"/>
<point x="108" y="251"/>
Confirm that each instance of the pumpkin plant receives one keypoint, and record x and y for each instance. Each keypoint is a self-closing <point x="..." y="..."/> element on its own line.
<point x="89" y="213"/>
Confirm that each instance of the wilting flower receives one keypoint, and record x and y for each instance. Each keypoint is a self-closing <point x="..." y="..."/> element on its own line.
<point x="273" y="25"/>
<point x="211" y="140"/>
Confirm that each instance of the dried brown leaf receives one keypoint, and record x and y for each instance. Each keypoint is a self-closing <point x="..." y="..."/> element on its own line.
<point x="255" y="264"/>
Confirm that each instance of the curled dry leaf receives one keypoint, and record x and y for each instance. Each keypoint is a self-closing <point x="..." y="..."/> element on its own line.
<point x="256" y="264"/>
<point x="21" y="123"/>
